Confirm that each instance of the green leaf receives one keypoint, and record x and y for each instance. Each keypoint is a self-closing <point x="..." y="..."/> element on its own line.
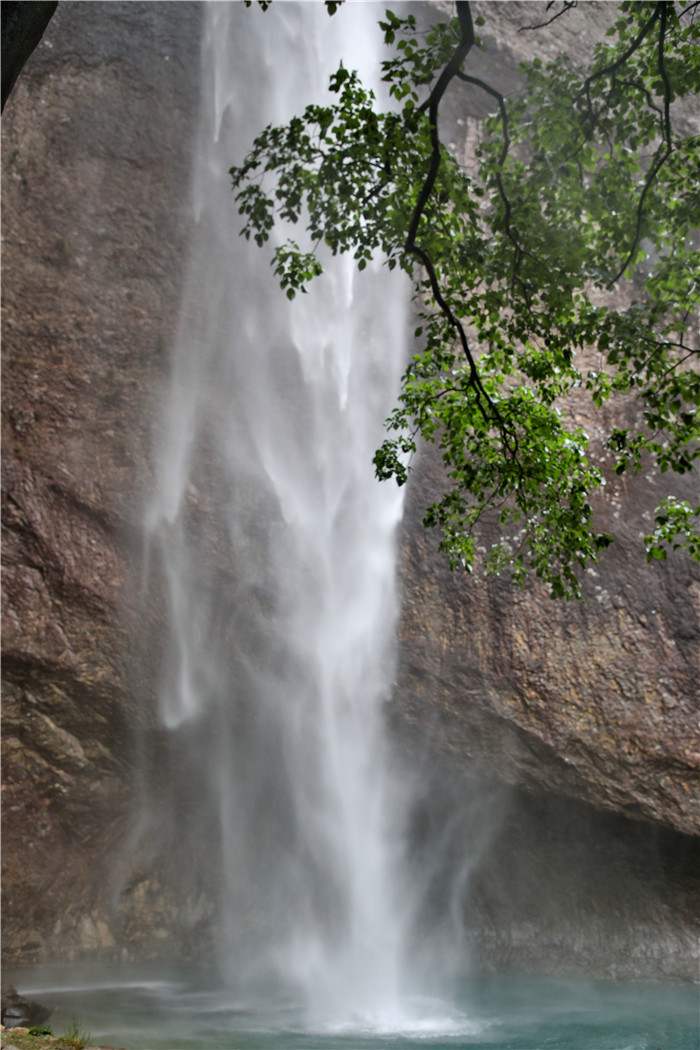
<point x="578" y="187"/>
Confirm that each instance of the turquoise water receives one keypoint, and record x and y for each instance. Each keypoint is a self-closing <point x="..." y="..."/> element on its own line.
<point x="156" y="1011"/>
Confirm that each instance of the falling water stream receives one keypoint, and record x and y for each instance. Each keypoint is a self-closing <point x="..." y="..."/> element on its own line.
<point x="282" y="405"/>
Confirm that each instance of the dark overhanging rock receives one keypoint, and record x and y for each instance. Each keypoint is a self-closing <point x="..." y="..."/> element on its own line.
<point x="23" y="26"/>
<point x="20" y="1012"/>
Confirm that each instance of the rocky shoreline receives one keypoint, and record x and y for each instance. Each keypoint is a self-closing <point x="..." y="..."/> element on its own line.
<point x="22" y="1039"/>
<point x="24" y="1026"/>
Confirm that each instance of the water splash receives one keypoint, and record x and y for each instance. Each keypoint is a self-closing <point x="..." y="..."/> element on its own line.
<point x="280" y="645"/>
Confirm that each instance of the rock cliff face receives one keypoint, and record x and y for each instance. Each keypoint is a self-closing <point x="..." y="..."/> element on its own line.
<point x="574" y="727"/>
<point x="595" y="700"/>
<point x="96" y="170"/>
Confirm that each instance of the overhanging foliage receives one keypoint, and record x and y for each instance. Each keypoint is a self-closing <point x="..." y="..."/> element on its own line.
<point x="574" y="235"/>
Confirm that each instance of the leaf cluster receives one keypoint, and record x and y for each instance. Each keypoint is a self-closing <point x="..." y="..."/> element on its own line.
<point x="574" y="242"/>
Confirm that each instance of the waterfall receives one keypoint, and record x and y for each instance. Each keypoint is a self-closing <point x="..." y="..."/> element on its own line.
<point x="276" y="549"/>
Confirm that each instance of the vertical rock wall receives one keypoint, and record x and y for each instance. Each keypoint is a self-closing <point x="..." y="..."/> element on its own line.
<point x="96" y="162"/>
<point x="587" y="710"/>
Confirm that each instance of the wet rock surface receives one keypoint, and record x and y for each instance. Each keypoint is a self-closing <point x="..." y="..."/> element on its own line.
<point x="95" y="221"/>
<point x="597" y="700"/>
<point x="588" y="714"/>
<point x="18" y="1011"/>
<point x="563" y="888"/>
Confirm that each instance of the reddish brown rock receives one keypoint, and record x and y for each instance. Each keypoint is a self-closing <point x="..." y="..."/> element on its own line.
<point x="95" y="177"/>
<point x="597" y="700"/>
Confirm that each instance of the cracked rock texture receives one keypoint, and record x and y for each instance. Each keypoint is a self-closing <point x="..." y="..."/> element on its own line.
<point x="576" y="725"/>
<point x="95" y="222"/>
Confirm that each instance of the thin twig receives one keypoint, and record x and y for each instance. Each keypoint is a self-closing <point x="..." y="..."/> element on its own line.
<point x="614" y="66"/>
<point x="568" y="4"/>
<point x="519" y="250"/>
<point x="466" y="41"/>
<point x="662" y="155"/>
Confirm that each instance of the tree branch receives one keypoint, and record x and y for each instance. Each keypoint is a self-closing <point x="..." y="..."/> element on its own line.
<point x="665" y="151"/>
<point x="614" y="66"/>
<point x="432" y="103"/>
<point x="519" y="250"/>
<point x="568" y="4"/>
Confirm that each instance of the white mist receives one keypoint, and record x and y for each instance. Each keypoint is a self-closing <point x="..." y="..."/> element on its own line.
<point x="282" y="405"/>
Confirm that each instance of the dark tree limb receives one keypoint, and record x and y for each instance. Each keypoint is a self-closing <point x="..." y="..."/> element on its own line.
<point x="432" y="104"/>
<point x="614" y="66"/>
<point x="23" y="25"/>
